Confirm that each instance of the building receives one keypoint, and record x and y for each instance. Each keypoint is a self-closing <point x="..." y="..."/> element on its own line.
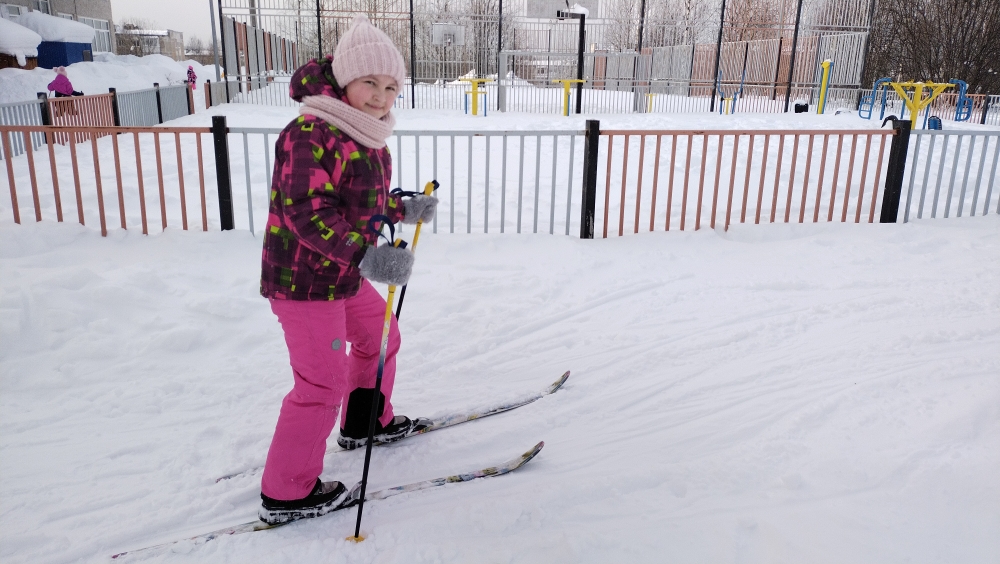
<point x="95" y="13"/>
<point x="142" y="42"/>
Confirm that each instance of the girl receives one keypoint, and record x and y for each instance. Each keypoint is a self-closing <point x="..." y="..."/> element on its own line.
<point x="331" y="176"/>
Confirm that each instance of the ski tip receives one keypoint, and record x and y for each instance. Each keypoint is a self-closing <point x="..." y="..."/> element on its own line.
<point x="532" y="453"/>
<point x="559" y="383"/>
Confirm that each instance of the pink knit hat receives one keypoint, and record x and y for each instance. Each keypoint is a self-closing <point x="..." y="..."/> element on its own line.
<point x="364" y="50"/>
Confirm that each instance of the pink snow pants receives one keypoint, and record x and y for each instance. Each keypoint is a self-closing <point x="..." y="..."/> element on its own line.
<point x="317" y="334"/>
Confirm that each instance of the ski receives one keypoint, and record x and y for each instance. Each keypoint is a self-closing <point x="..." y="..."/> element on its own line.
<point x="448" y="420"/>
<point x="352" y="499"/>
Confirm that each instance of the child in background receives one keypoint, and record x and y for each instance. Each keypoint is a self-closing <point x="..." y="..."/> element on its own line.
<point x="331" y="176"/>
<point x="192" y="78"/>
<point x="61" y="85"/>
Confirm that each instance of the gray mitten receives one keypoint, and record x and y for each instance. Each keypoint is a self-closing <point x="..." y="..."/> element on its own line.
<point x="387" y="264"/>
<point x="419" y="208"/>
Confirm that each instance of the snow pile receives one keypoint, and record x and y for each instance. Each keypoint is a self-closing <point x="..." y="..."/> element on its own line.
<point x="52" y="28"/>
<point x="18" y="41"/>
<point x="783" y="393"/>
<point x="123" y="72"/>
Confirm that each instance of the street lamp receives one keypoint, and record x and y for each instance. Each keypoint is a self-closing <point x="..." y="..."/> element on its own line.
<point x="562" y="15"/>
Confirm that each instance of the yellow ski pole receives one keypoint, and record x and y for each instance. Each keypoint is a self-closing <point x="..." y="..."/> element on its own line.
<point x="429" y="189"/>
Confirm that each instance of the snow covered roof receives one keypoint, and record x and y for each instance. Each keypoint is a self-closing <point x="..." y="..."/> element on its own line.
<point x="18" y="41"/>
<point x="52" y="28"/>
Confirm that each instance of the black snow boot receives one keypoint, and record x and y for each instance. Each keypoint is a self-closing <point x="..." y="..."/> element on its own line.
<point x="324" y="498"/>
<point x="354" y="433"/>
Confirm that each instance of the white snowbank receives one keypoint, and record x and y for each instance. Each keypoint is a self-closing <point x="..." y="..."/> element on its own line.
<point x="123" y="72"/>
<point x="52" y="28"/>
<point x="782" y="393"/>
<point x="18" y="41"/>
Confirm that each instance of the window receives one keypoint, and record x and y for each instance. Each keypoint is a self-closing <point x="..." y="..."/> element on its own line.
<point x="65" y="16"/>
<point x="11" y="12"/>
<point x="44" y="6"/>
<point x="102" y="37"/>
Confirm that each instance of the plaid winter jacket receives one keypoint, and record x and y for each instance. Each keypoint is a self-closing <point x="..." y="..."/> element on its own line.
<point x="325" y="188"/>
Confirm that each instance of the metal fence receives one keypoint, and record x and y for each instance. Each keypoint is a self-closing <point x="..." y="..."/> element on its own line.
<point x="137" y="108"/>
<point x="951" y="173"/>
<point x="22" y="113"/>
<point x="175" y="102"/>
<point x="514" y="181"/>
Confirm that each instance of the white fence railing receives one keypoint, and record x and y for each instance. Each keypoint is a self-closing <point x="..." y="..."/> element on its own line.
<point x="951" y="173"/>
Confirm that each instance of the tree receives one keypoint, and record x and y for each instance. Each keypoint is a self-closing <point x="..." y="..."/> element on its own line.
<point x="936" y="40"/>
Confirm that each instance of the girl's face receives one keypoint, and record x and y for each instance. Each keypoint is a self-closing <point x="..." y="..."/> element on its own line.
<point x="373" y="94"/>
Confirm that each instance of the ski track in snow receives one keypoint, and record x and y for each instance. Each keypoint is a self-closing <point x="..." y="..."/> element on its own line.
<point x="778" y="393"/>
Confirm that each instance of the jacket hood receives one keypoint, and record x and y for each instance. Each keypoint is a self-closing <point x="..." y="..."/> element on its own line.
<point x="315" y="78"/>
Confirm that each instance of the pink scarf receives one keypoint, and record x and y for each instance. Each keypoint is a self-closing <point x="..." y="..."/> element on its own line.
<point x="363" y="128"/>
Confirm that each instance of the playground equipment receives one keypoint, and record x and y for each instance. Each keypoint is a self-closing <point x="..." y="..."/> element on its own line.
<point x="963" y="106"/>
<point x="474" y="93"/>
<point x="727" y="104"/>
<point x="917" y="101"/>
<point x="934" y="123"/>
<point x="824" y="86"/>
<point x="566" y="83"/>
<point x="867" y="104"/>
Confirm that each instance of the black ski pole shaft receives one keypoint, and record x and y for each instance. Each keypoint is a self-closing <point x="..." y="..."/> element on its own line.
<point x="373" y="417"/>
<point x="429" y="189"/>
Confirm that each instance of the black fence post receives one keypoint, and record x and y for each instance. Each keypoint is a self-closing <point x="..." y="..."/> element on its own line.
<point x="208" y="93"/>
<point x="114" y="107"/>
<point x="159" y="105"/>
<point x="589" y="201"/>
<point x="220" y="134"/>
<point x="44" y="108"/>
<point x="894" y="172"/>
<point x="986" y="110"/>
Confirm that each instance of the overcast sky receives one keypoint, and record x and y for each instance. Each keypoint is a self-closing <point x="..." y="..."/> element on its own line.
<point x="188" y="16"/>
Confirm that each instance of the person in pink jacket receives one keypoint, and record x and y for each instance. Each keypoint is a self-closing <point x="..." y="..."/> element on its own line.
<point x="332" y="173"/>
<point x="61" y="85"/>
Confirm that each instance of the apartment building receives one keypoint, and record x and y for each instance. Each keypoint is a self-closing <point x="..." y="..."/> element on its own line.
<point x="95" y="13"/>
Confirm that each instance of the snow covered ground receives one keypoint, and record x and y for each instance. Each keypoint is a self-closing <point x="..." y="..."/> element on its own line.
<point x="778" y="393"/>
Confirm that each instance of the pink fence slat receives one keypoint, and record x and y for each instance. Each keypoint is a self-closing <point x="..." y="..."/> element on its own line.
<point x="201" y="184"/>
<point x="638" y="188"/>
<point x="718" y="172"/>
<point x="607" y="186"/>
<point x="791" y="178"/>
<point x="850" y="174"/>
<point x="819" y="182"/>
<point x="864" y="173"/>
<point x="670" y="184"/>
<point x="100" y="192"/>
<point x="159" y="179"/>
<point x="687" y="174"/>
<point x="76" y="177"/>
<point x="805" y="179"/>
<point x="49" y="141"/>
<point x="30" y="154"/>
<point x="746" y="181"/>
<point x="701" y="181"/>
<point x="118" y="179"/>
<point x="836" y="173"/>
<point x="142" y="192"/>
<point x="732" y="179"/>
<point x="180" y="180"/>
<point x="763" y="171"/>
<point x="621" y="205"/>
<point x="777" y="176"/>
<point x="656" y="178"/>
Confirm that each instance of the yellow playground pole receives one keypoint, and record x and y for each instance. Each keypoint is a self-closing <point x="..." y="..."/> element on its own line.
<point x="566" y="82"/>
<point x="917" y="102"/>
<point x="475" y="82"/>
<point x="821" y="107"/>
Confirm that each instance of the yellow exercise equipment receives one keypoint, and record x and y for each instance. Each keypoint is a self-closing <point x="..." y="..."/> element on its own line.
<point x="475" y="91"/>
<point x="917" y="102"/>
<point x="566" y="82"/>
